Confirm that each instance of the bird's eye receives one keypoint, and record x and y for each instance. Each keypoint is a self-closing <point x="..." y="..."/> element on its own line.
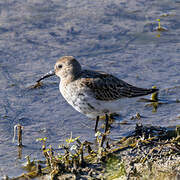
<point x="59" y="66"/>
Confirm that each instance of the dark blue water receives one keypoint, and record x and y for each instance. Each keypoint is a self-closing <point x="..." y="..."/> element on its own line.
<point x="114" y="36"/>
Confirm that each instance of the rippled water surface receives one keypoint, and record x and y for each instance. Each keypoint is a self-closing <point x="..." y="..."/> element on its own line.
<point x="114" y="36"/>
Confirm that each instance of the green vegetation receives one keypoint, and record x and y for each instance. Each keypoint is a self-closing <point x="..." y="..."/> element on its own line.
<point x="148" y="153"/>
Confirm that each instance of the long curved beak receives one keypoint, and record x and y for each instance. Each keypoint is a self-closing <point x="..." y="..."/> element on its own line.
<point x="50" y="73"/>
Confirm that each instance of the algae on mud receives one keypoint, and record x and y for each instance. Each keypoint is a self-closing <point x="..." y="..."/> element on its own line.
<point x="148" y="152"/>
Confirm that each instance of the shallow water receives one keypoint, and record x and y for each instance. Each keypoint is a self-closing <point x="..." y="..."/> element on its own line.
<point x="117" y="37"/>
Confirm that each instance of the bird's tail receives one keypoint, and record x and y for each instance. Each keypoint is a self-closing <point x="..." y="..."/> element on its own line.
<point x="135" y="91"/>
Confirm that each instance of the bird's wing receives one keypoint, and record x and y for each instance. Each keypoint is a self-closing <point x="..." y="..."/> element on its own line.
<point x="107" y="87"/>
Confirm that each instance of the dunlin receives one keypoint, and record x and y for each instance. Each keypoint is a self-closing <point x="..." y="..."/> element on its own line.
<point x="90" y="92"/>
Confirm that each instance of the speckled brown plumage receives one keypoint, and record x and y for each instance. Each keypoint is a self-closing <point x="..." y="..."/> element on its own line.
<point x="93" y="93"/>
<point x="90" y="92"/>
<point x="107" y="87"/>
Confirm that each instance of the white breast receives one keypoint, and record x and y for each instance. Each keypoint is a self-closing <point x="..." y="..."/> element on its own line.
<point x="82" y="100"/>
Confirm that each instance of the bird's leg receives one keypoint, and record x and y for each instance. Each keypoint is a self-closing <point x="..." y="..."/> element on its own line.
<point x="97" y="120"/>
<point x="106" y="126"/>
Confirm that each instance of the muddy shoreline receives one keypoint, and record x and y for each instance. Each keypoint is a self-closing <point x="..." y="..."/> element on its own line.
<point x="147" y="153"/>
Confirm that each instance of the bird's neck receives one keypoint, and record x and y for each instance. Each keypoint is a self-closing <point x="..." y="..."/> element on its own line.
<point x="70" y="78"/>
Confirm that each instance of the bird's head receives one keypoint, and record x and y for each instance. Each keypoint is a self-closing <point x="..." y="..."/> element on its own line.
<point x="67" y="67"/>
